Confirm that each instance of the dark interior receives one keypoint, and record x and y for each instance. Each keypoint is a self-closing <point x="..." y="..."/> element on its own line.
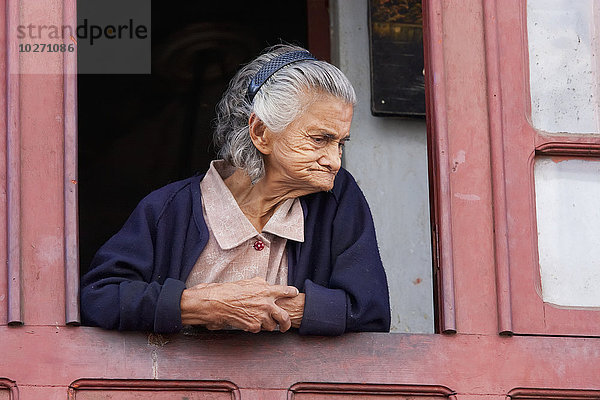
<point x="140" y="132"/>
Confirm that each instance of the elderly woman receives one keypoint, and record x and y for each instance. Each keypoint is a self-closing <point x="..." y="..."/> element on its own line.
<point x="275" y="235"/>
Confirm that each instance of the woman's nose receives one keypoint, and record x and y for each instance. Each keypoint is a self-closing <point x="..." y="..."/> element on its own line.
<point x="332" y="158"/>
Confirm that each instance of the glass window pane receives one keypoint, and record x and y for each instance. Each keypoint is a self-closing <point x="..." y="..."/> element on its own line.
<point x="568" y="220"/>
<point x="563" y="37"/>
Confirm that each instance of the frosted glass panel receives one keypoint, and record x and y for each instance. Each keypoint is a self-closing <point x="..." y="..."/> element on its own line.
<point x="568" y="219"/>
<point x="563" y="37"/>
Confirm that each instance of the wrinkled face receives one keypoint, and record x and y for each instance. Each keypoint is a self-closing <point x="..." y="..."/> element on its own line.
<point x="306" y="156"/>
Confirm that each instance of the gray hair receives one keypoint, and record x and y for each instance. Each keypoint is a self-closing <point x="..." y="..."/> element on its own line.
<point x="278" y="103"/>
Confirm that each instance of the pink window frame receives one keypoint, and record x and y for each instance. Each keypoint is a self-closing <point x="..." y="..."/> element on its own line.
<point x="515" y="145"/>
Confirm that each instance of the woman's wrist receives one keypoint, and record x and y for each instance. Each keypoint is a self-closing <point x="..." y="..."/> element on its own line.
<point x="195" y="306"/>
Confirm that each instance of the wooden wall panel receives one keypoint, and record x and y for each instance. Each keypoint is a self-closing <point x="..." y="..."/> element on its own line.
<point x="126" y="394"/>
<point x="42" y="392"/>
<point x="148" y="389"/>
<point x="470" y="365"/>
<point x="316" y="391"/>
<point x="361" y="396"/>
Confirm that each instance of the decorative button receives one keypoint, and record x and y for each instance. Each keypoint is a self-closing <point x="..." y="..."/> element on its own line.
<point x="259" y="245"/>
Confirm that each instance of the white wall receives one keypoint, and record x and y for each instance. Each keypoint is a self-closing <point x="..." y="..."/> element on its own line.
<point x="387" y="156"/>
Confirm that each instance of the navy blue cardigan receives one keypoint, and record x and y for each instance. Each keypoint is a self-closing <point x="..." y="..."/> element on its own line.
<point x="137" y="277"/>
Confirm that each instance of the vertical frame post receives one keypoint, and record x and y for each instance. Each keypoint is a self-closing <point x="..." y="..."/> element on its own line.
<point x="71" y="241"/>
<point x="437" y="131"/>
<point x="13" y="166"/>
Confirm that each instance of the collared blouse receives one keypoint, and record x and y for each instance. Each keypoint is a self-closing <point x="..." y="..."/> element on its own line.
<point x="235" y="249"/>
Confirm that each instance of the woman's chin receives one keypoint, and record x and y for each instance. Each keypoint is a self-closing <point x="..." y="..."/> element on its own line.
<point x="326" y="184"/>
<point x="314" y="182"/>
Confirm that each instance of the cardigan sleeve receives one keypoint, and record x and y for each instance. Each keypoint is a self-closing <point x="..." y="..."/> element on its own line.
<point x="122" y="290"/>
<point x="356" y="297"/>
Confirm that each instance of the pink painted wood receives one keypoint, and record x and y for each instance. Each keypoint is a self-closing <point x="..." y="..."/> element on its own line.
<point x="494" y="97"/>
<point x="13" y="166"/>
<point x="553" y="394"/>
<point x="463" y="364"/>
<point x="466" y="165"/>
<point x="71" y="224"/>
<point x="102" y="389"/>
<point x="309" y="391"/>
<point x="42" y="173"/>
<point x="519" y="144"/>
<point x="3" y="171"/>
<point x="439" y="176"/>
<point x="8" y="390"/>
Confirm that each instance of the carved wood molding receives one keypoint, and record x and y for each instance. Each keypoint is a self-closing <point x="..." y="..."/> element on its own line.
<point x="574" y="149"/>
<point x="494" y="93"/>
<point x="553" y="394"/>
<point x="11" y="387"/>
<point x="153" y="385"/>
<point x="372" y="389"/>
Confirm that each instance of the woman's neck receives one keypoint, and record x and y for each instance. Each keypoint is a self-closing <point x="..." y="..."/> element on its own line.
<point x="258" y="202"/>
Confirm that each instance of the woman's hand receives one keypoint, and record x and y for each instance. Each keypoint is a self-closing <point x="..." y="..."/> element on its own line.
<point x="249" y="305"/>
<point x="294" y="306"/>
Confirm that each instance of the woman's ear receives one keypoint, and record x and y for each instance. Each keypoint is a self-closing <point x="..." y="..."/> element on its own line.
<point x="259" y="134"/>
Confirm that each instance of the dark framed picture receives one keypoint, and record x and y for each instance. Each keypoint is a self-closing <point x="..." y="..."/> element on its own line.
<point x="396" y="50"/>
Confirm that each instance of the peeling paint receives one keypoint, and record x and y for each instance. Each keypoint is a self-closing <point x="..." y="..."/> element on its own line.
<point x="468" y="197"/>
<point x="49" y="250"/>
<point x="154" y="364"/>
<point x="460" y="158"/>
<point x="156" y="340"/>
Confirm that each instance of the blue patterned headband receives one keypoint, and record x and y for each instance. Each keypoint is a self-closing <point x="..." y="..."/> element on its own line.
<point x="267" y="70"/>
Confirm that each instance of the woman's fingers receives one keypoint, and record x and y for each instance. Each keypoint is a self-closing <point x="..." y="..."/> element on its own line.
<point x="253" y="327"/>
<point x="282" y="318"/>
<point x="269" y="324"/>
<point x="278" y="291"/>
<point x="268" y="295"/>
<point x="248" y="305"/>
<point x="294" y="307"/>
